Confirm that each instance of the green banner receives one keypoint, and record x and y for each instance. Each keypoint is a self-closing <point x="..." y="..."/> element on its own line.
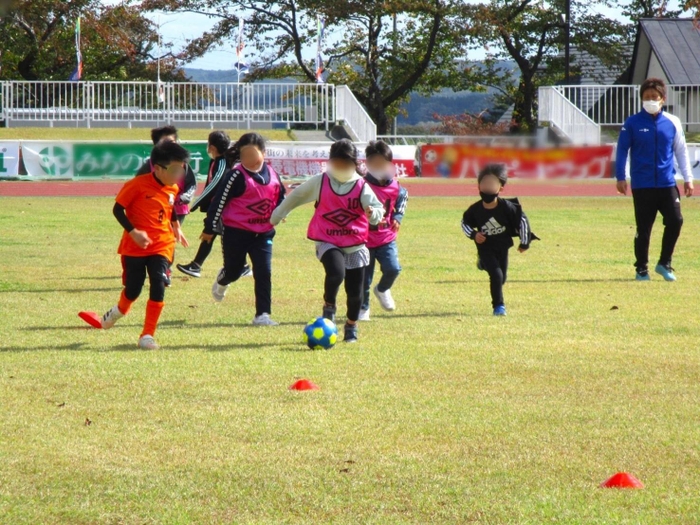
<point x="99" y="160"/>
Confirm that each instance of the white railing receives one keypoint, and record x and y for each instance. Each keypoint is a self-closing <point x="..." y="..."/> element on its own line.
<point x="84" y="103"/>
<point x="561" y="113"/>
<point x="350" y="111"/>
<point x="611" y="105"/>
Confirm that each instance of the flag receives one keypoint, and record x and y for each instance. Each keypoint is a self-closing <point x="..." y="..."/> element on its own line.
<point x="77" y="73"/>
<point x="319" y="59"/>
<point x="240" y="64"/>
<point x="161" y="92"/>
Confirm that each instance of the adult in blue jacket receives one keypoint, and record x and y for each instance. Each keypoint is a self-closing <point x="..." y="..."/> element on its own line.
<point x="651" y="138"/>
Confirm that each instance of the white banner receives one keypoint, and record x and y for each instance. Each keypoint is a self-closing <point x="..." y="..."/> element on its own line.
<point x="9" y="159"/>
<point x="48" y="159"/>
<point x="301" y="160"/>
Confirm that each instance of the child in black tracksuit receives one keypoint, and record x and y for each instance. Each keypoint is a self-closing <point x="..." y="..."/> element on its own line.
<point x="492" y="223"/>
<point x="223" y="158"/>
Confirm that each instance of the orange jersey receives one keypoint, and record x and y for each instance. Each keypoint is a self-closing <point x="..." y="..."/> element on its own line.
<point x="149" y="207"/>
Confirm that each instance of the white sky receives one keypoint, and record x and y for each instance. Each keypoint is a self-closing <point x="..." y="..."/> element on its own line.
<point x="178" y="28"/>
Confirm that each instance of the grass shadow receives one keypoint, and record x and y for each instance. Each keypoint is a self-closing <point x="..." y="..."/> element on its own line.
<point x="531" y="281"/>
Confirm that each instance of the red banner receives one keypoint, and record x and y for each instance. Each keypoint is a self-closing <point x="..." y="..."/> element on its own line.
<point x="465" y="160"/>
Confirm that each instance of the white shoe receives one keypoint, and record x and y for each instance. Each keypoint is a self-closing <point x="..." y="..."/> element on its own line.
<point x="218" y="292"/>
<point x="385" y="299"/>
<point x="146" y="342"/>
<point x="112" y="316"/>
<point x="364" y="315"/>
<point x="264" y="320"/>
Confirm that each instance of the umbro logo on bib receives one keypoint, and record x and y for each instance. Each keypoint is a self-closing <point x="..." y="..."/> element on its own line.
<point x="341" y="217"/>
<point x="262" y="207"/>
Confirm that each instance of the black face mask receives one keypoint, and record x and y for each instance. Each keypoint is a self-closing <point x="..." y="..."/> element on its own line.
<point x="488" y="197"/>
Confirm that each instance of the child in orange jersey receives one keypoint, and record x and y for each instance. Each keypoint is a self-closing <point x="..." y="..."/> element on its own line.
<point x="145" y="209"/>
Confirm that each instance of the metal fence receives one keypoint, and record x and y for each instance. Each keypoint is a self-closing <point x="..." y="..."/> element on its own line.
<point x="562" y="114"/>
<point x="611" y="105"/>
<point x="147" y="103"/>
<point x="354" y="115"/>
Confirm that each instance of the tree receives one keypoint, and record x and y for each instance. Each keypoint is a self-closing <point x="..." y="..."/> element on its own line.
<point x="117" y="42"/>
<point x="532" y="34"/>
<point x="383" y="50"/>
<point x="468" y="124"/>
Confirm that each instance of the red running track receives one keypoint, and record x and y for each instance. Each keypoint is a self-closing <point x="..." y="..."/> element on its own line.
<point x="416" y="187"/>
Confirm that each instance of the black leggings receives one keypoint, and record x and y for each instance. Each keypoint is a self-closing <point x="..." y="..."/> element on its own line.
<point x="236" y="244"/>
<point x="647" y="202"/>
<point x="204" y="251"/>
<point x="334" y="263"/>
<point x="495" y="262"/>
<point x="134" y="276"/>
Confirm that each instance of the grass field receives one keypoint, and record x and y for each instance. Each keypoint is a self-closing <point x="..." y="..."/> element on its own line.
<point x="112" y="134"/>
<point x="441" y="414"/>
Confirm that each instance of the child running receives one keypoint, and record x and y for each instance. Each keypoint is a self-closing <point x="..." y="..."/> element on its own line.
<point x="222" y="159"/>
<point x="187" y="186"/>
<point x="243" y="204"/>
<point x="382" y="238"/>
<point x="345" y="208"/>
<point x="491" y="223"/>
<point x="145" y="209"/>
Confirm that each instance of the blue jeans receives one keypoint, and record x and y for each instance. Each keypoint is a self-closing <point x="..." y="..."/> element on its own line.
<point x="388" y="258"/>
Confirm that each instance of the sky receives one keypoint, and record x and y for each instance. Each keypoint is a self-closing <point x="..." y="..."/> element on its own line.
<point x="180" y="27"/>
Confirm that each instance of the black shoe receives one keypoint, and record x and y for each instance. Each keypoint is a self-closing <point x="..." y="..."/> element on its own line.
<point x="246" y="271"/>
<point x="167" y="278"/>
<point x="329" y="313"/>
<point x="192" y="269"/>
<point x="350" y="333"/>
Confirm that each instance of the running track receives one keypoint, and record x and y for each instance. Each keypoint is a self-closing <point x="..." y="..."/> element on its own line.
<point x="417" y="188"/>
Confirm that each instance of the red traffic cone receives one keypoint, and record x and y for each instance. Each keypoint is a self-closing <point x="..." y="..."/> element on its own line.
<point x="91" y="318"/>
<point x="304" y="384"/>
<point x="622" y="480"/>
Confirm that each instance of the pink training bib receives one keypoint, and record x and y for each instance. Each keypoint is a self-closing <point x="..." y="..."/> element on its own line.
<point x="388" y="196"/>
<point x="339" y="219"/>
<point x="252" y="210"/>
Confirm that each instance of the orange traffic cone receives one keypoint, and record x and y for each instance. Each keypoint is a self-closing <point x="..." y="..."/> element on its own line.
<point x="622" y="480"/>
<point x="304" y="384"/>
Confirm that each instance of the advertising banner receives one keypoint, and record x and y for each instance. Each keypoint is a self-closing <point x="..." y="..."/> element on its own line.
<point x="96" y="160"/>
<point x="465" y="161"/>
<point x="9" y="159"/>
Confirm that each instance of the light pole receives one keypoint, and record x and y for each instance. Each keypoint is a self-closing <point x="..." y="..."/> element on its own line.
<point x="567" y="43"/>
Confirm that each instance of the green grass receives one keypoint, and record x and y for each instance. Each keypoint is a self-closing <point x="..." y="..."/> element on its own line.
<point x="441" y="414"/>
<point x="123" y="134"/>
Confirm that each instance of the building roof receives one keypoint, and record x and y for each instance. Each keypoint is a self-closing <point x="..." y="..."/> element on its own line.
<point x="676" y="44"/>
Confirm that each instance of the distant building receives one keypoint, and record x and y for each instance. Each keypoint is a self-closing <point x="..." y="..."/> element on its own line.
<point x="669" y="48"/>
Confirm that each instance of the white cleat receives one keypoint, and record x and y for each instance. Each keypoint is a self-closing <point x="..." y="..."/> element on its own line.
<point x="364" y="315"/>
<point x="218" y="292"/>
<point x="146" y="342"/>
<point x="264" y="320"/>
<point x="112" y="316"/>
<point x="385" y="299"/>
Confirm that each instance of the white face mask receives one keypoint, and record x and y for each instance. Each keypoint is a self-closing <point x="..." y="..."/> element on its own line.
<point x="652" y="106"/>
<point x="342" y="176"/>
<point x="258" y="169"/>
<point x="383" y="175"/>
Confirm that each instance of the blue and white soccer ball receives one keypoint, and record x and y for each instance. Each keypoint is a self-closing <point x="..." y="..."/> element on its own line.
<point x="320" y="334"/>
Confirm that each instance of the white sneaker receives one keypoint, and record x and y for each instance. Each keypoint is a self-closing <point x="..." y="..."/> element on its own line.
<point x="146" y="342"/>
<point x="218" y="292"/>
<point x="385" y="299"/>
<point x="112" y="316"/>
<point x="264" y="320"/>
<point x="364" y="315"/>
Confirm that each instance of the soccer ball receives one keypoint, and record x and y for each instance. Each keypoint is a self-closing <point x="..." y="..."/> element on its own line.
<point x="320" y="334"/>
